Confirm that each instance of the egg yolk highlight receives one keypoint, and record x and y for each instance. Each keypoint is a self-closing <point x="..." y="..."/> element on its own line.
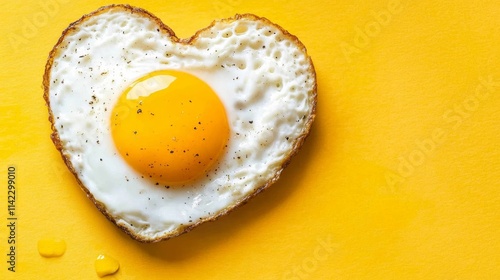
<point x="170" y="126"/>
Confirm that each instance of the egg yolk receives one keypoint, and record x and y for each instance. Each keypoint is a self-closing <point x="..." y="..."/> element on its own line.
<point x="170" y="126"/>
<point x="51" y="247"/>
<point x="106" y="265"/>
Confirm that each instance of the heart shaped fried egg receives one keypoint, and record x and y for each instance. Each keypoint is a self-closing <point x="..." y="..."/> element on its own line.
<point x="164" y="134"/>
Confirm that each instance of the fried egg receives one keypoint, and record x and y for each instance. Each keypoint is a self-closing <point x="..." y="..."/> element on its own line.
<point x="164" y="134"/>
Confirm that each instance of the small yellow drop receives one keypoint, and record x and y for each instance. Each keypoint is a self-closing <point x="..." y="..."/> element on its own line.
<point x="51" y="247"/>
<point x="106" y="265"/>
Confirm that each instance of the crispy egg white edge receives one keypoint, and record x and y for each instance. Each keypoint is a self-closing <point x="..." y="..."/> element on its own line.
<point x="260" y="76"/>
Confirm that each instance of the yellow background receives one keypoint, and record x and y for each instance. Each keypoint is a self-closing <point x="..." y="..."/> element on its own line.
<point x="399" y="178"/>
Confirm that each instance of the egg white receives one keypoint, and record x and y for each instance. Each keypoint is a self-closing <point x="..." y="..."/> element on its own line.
<point x="262" y="77"/>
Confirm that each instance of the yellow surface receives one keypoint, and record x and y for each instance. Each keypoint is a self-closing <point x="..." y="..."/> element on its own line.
<point x="399" y="178"/>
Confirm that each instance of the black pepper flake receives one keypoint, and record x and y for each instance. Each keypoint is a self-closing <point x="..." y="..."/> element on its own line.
<point x="100" y="159"/>
<point x="196" y="155"/>
<point x="139" y="111"/>
<point x="251" y="122"/>
<point x="171" y="152"/>
<point x="135" y="132"/>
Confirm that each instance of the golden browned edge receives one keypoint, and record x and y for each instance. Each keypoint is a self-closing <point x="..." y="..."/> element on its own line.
<point x="169" y="32"/>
